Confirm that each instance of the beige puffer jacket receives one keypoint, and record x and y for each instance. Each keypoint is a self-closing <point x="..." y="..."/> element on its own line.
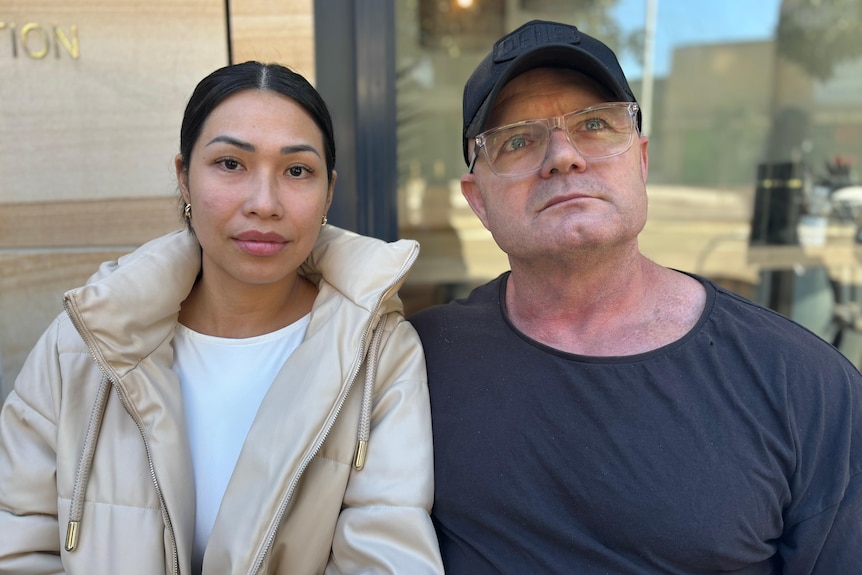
<point x="93" y="448"/>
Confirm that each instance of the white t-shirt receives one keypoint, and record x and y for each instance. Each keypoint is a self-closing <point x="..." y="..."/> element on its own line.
<point x="223" y="383"/>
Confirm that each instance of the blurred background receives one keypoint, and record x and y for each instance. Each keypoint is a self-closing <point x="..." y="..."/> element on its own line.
<point x="753" y="110"/>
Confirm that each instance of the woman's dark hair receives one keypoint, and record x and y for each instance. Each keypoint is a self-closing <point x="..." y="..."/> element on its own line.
<point x="224" y="82"/>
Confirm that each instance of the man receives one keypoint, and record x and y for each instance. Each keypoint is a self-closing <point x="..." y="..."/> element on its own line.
<point x="595" y="412"/>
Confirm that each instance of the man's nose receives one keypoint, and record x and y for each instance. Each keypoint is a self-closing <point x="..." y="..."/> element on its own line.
<point x="562" y="156"/>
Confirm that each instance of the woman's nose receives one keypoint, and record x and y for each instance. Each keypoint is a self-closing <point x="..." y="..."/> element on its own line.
<point x="265" y="198"/>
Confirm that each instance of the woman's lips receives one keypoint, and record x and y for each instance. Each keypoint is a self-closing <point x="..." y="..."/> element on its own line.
<point x="260" y="243"/>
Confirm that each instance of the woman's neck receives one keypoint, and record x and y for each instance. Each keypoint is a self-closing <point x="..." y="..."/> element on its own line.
<point x="256" y="310"/>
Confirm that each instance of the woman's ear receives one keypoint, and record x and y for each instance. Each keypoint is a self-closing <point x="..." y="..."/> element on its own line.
<point x="331" y="190"/>
<point x="182" y="178"/>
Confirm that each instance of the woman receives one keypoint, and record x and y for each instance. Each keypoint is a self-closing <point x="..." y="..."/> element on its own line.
<point x="240" y="397"/>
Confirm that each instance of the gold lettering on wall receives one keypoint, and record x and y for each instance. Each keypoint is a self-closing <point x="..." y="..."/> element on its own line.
<point x="43" y="40"/>
<point x="71" y="46"/>
<point x="37" y="41"/>
<point x="11" y="28"/>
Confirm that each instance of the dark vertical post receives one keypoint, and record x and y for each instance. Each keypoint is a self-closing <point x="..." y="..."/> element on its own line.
<point x="228" y="31"/>
<point x="335" y="71"/>
<point x="355" y="71"/>
<point x="777" y="209"/>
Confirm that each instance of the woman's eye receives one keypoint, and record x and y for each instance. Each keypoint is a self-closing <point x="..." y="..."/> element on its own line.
<point x="297" y="171"/>
<point x="230" y="164"/>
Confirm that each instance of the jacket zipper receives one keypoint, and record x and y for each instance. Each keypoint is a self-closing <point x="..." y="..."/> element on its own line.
<point x="302" y="467"/>
<point x="331" y="422"/>
<point x="74" y="525"/>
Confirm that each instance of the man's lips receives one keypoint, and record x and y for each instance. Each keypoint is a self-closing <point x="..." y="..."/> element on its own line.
<point x="565" y="198"/>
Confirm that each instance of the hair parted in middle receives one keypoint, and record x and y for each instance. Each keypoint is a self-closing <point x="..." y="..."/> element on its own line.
<point x="251" y="75"/>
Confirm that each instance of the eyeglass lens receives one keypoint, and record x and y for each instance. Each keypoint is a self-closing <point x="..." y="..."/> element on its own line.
<point x="597" y="132"/>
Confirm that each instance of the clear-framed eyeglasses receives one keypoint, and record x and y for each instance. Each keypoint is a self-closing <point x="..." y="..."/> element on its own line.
<point x="596" y="132"/>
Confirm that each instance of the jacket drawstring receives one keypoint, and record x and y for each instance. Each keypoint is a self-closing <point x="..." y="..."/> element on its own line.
<point x="85" y="464"/>
<point x="364" y="432"/>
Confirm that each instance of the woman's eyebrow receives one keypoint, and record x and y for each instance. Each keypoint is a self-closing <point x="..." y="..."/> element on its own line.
<point x="233" y="142"/>
<point x="299" y="148"/>
<point x="286" y="150"/>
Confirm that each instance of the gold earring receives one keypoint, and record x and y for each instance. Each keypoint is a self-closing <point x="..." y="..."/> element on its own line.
<point x="187" y="212"/>
<point x="323" y="221"/>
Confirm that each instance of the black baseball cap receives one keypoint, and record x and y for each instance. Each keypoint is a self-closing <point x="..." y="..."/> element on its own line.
<point x="538" y="44"/>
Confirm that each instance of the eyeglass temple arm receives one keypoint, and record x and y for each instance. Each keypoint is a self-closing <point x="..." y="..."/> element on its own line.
<point x="473" y="161"/>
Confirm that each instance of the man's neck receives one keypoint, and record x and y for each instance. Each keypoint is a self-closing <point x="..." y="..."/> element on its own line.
<point x="622" y="309"/>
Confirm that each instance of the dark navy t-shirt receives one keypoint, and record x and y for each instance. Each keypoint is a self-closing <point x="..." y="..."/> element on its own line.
<point x="736" y="449"/>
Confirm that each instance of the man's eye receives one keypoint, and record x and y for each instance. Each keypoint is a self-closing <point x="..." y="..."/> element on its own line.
<point x="594" y="125"/>
<point x="515" y="143"/>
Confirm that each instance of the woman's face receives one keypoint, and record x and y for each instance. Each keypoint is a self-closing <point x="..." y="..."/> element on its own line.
<point x="258" y="189"/>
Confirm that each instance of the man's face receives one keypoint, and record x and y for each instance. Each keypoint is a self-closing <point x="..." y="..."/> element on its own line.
<point x="569" y="205"/>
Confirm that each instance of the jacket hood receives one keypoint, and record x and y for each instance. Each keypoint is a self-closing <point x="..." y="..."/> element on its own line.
<point x="358" y="265"/>
<point x="129" y="306"/>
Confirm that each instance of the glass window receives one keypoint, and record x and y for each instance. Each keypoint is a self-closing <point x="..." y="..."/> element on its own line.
<point x="754" y="114"/>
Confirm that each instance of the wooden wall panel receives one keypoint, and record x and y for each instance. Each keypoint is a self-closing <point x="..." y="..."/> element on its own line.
<point x="274" y="31"/>
<point x="86" y="223"/>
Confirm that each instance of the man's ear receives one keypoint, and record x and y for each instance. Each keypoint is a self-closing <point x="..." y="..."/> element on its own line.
<point x="643" y="142"/>
<point x="473" y="195"/>
<point x="182" y="178"/>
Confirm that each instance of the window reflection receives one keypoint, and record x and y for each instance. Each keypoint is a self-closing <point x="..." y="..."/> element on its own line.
<point x="755" y="135"/>
<point x="460" y="25"/>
